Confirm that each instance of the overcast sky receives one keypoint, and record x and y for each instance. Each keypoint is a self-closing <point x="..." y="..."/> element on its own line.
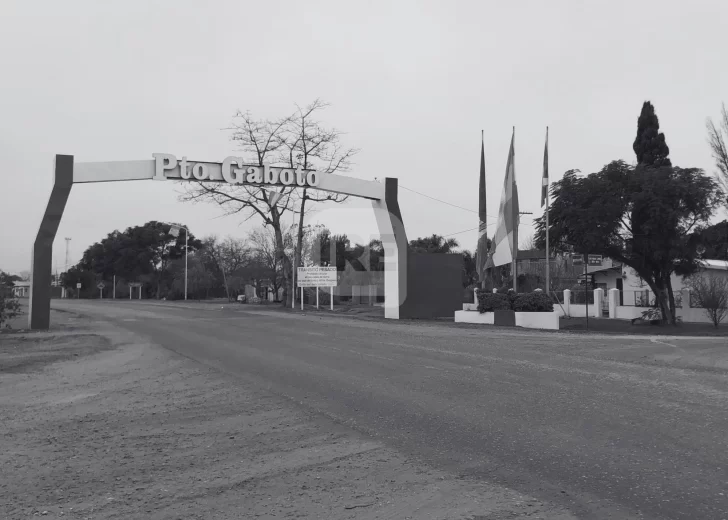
<point x="411" y="83"/>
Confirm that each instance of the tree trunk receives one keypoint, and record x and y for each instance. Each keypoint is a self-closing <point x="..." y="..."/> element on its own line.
<point x="658" y="288"/>
<point x="671" y="300"/>
<point x="284" y="262"/>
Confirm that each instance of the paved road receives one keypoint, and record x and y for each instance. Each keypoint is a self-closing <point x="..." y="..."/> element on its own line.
<point x="610" y="427"/>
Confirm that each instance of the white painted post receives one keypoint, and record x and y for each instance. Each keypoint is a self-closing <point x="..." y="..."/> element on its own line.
<point x="567" y="302"/>
<point x="475" y="296"/>
<point x="317" y="297"/>
<point x="598" y="302"/>
<point x="613" y="302"/>
<point x="331" y="299"/>
<point x="301" y="298"/>
<point x="685" y="310"/>
<point x="102" y="293"/>
<point x="131" y="290"/>
<point x="114" y="291"/>
<point x="140" y="292"/>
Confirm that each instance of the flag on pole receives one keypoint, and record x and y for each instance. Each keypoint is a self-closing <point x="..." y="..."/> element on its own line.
<point x="505" y="241"/>
<point x="482" y="249"/>
<point x="174" y="230"/>
<point x="545" y="179"/>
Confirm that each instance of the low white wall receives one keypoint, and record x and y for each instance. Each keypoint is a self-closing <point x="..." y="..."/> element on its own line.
<point x="538" y="320"/>
<point x="474" y="317"/>
<point x="530" y="320"/>
<point x="470" y="306"/>
<point x="628" y="312"/>
<point x="577" y="310"/>
<point x="693" y="315"/>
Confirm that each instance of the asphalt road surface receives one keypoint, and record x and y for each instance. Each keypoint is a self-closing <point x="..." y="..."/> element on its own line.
<point x="607" y="426"/>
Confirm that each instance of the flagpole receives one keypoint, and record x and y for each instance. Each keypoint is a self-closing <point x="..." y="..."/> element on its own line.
<point x="187" y="253"/>
<point x="515" y="220"/>
<point x="548" y="260"/>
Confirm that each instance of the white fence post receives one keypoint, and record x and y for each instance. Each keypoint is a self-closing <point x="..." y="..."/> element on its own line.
<point x="475" y="296"/>
<point x="598" y="302"/>
<point x="567" y="302"/>
<point x="613" y="302"/>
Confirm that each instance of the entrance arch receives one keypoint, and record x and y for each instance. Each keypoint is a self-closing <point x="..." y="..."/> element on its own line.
<point x="383" y="197"/>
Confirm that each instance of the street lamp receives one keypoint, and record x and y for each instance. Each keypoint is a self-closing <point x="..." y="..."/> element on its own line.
<point x="174" y="231"/>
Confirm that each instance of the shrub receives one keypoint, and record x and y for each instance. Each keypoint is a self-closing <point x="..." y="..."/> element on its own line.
<point x="9" y="307"/>
<point x="533" y="302"/>
<point x="489" y="302"/>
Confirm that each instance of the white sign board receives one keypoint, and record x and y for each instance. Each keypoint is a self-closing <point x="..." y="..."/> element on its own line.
<point x="78" y="286"/>
<point x="316" y="277"/>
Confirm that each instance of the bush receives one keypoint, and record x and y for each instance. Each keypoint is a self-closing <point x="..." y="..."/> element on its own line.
<point x="533" y="302"/>
<point x="489" y="302"/>
<point x="9" y="307"/>
<point x="530" y="302"/>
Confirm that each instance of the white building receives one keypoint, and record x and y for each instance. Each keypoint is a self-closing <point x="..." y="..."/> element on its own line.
<point x="21" y="289"/>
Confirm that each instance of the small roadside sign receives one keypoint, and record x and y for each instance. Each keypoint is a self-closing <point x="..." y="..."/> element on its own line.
<point x="78" y="285"/>
<point x="577" y="259"/>
<point x="100" y="285"/>
<point x="135" y="284"/>
<point x="595" y="260"/>
<point x="317" y="277"/>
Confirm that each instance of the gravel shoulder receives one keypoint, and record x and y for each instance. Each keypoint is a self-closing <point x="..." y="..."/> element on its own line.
<point x="98" y="423"/>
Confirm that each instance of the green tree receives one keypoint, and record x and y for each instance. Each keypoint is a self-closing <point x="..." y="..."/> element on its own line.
<point x="649" y="145"/>
<point x="714" y="241"/>
<point x="470" y="271"/>
<point x="644" y="217"/>
<point x="433" y="244"/>
<point x="139" y="251"/>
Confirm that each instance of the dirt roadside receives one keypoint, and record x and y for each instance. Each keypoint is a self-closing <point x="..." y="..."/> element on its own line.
<point x="97" y="423"/>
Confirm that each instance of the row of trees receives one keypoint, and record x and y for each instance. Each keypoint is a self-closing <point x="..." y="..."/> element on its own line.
<point x="652" y="216"/>
<point x="224" y="266"/>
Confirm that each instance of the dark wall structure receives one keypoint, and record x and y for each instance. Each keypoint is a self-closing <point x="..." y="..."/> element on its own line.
<point x="434" y="286"/>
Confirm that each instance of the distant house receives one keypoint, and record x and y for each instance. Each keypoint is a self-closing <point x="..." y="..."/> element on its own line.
<point x="633" y="282"/>
<point x="21" y="289"/>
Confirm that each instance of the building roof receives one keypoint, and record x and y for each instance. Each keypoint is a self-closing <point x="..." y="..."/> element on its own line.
<point x="716" y="264"/>
<point x="531" y="254"/>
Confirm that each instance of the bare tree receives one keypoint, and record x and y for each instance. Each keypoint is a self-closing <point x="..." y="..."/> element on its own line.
<point x="718" y="140"/>
<point x="263" y="246"/>
<point x="298" y="139"/>
<point x="229" y="255"/>
<point x="710" y="293"/>
<point x="528" y="243"/>
<point x="311" y="146"/>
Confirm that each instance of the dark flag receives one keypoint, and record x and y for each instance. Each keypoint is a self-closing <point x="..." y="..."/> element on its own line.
<point x="482" y="249"/>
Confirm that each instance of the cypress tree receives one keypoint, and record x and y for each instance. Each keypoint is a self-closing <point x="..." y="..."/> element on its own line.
<point x="649" y="145"/>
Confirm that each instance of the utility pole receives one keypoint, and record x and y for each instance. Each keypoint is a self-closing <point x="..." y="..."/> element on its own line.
<point x="67" y="241"/>
<point x="65" y="270"/>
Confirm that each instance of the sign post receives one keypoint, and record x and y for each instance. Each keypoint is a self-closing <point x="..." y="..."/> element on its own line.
<point x="78" y="290"/>
<point x="317" y="277"/>
<point x="586" y="291"/>
<point x="101" y="286"/>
